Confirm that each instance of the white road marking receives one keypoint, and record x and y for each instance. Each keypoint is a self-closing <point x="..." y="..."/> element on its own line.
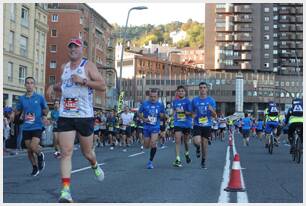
<point x="85" y="168"/>
<point x="224" y="196"/>
<point x="136" y="154"/>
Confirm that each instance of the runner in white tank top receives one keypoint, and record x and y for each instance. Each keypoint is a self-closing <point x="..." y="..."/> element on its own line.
<point x="77" y="100"/>
<point x="79" y="78"/>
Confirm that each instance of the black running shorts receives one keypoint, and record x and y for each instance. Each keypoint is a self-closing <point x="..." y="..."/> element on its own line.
<point x="84" y="126"/>
<point x="202" y="131"/>
<point x="28" y="135"/>
<point x="184" y="130"/>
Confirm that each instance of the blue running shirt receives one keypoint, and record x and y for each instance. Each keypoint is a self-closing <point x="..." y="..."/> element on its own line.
<point x="32" y="108"/>
<point x="152" y="111"/>
<point x="180" y="118"/>
<point x="203" y="116"/>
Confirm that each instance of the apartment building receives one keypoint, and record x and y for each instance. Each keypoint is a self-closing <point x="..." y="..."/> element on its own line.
<point x="24" y="48"/>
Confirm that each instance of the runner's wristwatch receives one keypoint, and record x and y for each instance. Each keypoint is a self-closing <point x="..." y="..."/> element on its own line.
<point x="84" y="81"/>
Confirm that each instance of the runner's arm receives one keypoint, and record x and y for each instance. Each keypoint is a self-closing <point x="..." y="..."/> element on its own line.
<point x="95" y="81"/>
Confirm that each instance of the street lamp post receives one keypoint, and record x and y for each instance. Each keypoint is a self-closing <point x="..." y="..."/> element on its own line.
<point x="143" y="79"/>
<point x="123" y="42"/>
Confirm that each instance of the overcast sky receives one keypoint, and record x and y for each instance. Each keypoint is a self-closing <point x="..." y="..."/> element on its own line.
<point x="157" y="13"/>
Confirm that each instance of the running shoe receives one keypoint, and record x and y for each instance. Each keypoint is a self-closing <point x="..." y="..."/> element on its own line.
<point x="203" y="165"/>
<point x="124" y="150"/>
<point x="198" y="152"/>
<point x="99" y="173"/>
<point x="65" y="196"/>
<point x="35" y="172"/>
<point x="111" y="148"/>
<point x="141" y="147"/>
<point x="188" y="160"/>
<point x="150" y="165"/>
<point x="41" y="161"/>
<point x="177" y="163"/>
<point x="57" y="155"/>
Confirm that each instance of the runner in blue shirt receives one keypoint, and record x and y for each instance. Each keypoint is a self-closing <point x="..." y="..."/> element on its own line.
<point x="203" y="108"/>
<point x="34" y="110"/>
<point x="259" y="128"/>
<point x="182" y="124"/>
<point x="150" y="112"/>
<point x="246" y="128"/>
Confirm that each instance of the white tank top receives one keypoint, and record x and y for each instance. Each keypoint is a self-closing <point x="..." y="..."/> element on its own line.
<point x="77" y="100"/>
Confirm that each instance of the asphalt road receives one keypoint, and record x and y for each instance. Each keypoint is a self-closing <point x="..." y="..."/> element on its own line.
<point x="266" y="178"/>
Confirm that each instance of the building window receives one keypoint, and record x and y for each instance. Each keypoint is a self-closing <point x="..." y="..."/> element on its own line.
<point x="267" y="55"/>
<point x="22" y="73"/>
<point x="275" y="61"/>
<point x="11" y="41"/>
<point x="267" y="36"/>
<point x="266" y="28"/>
<point x="41" y="58"/>
<point x="267" y="46"/>
<point x="275" y="17"/>
<point x="53" y="33"/>
<point x="266" y="65"/>
<point x="275" y="9"/>
<point x="275" y="43"/>
<point x="52" y="79"/>
<point x="10" y="69"/>
<point x="52" y="64"/>
<point x="42" y="39"/>
<point x="275" y="26"/>
<point x="81" y="20"/>
<point x="53" y="48"/>
<point x="24" y="17"/>
<point x="54" y="18"/>
<point x="266" y="9"/>
<point x="267" y="18"/>
<point x="23" y="46"/>
<point x="275" y="35"/>
<point x="12" y="12"/>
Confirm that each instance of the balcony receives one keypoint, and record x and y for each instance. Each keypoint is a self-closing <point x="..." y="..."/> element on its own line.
<point x="246" y="56"/>
<point x="227" y="9"/>
<point x="242" y="19"/>
<point x="292" y="36"/>
<point x="299" y="10"/>
<point x="283" y="46"/>
<point x="299" y="27"/>
<point x="284" y="55"/>
<point x="299" y="46"/>
<point x="284" y="10"/>
<point x="220" y="38"/>
<point x="219" y="29"/>
<point x="245" y="65"/>
<point x="292" y="19"/>
<point x="284" y="28"/>
<point x="292" y="27"/>
<point x="242" y="9"/>
<point x="299" y="54"/>
<point x="284" y="37"/>
<point x="242" y="28"/>
<point x="286" y="20"/>
<point x="230" y="47"/>
<point x="292" y="45"/>
<point x="299" y="19"/>
<point x="237" y="47"/>
<point x="292" y="10"/>
<point x="246" y="47"/>
<point x="299" y="36"/>
<point x="229" y="28"/>
<point x="220" y="66"/>
<point x="239" y="37"/>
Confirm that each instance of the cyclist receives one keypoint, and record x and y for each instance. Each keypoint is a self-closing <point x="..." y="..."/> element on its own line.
<point x="294" y="118"/>
<point x="271" y="120"/>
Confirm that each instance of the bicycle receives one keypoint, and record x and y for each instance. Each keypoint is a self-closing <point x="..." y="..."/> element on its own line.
<point x="271" y="142"/>
<point x="298" y="145"/>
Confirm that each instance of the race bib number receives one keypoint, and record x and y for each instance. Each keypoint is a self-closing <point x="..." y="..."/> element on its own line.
<point x="102" y="127"/>
<point x="123" y="127"/>
<point x="29" y="117"/>
<point x="111" y="129"/>
<point x="152" y="120"/>
<point x="71" y="104"/>
<point x="181" y="116"/>
<point x="203" y="120"/>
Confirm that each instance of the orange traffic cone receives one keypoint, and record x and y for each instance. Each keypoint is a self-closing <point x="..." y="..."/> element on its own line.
<point x="234" y="184"/>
